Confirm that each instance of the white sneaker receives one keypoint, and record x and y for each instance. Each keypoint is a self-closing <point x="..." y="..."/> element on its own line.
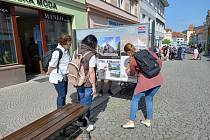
<point x="147" y="123"/>
<point x="91" y="127"/>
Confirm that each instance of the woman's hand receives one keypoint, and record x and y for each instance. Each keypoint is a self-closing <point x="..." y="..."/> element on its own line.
<point x="94" y="91"/>
<point x="127" y="70"/>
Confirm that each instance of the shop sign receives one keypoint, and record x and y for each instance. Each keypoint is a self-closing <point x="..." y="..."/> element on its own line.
<point x="114" y="22"/>
<point x="141" y="29"/>
<point x="41" y="3"/>
<point x="56" y="17"/>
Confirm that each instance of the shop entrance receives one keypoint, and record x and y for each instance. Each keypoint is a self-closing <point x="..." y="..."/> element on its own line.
<point x="30" y="38"/>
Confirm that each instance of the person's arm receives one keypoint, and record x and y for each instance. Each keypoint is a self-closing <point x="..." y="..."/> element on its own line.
<point x="132" y="66"/>
<point x="92" y="78"/>
<point x="50" y="70"/>
<point x="53" y="62"/>
<point x="92" y="74"/>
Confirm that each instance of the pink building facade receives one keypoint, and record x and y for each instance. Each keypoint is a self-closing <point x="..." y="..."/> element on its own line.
<point x="107" y="13"/>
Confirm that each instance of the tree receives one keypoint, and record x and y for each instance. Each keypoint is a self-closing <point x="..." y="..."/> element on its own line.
<point x="166" y="41"/>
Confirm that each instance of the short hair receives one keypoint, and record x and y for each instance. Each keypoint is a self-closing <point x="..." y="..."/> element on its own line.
<point x="130" y="47"/>
<point x="64" y="38"/>
<point x="91" y="41"/>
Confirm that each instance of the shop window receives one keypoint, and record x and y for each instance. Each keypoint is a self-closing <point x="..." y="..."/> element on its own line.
<point x="55" y="25"/>
<point x="7" y="47"/>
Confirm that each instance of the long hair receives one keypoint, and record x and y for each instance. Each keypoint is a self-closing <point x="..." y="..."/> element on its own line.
<point x="130" y="48"/>
<point x="91" y="41"/>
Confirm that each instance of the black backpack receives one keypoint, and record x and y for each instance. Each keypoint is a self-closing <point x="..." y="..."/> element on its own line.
<point x="47" y="57"/>
<point x="147" y="63"/>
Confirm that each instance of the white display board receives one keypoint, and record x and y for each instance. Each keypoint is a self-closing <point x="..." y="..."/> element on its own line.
<point x="112" y="61"/>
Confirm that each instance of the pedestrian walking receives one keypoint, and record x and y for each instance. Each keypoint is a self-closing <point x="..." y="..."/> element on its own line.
<point x="195" y="53"/>
<point x="58" y="68"/>
<point x="88" y="89"/>
<point x="146" y="87"/>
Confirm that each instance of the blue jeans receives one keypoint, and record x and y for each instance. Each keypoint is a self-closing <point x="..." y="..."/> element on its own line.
<point x="85" y="97"/>
<point x="61" y="89"/>
<point x="149" y="103"/>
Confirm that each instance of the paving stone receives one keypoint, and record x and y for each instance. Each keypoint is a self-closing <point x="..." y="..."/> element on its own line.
<point x="181" y="106"/>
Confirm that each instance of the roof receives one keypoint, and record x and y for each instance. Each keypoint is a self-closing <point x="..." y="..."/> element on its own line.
<point x="168" y="30"/>
<point x="191" y="27"/>
<point x="200" y="31"/>
<point x="178" y="35"/>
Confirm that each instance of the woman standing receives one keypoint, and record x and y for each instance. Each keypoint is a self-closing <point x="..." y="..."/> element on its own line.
<point x="88" y="89"/>
<point x="58" y="68"/>
<point x="147" y="87"/>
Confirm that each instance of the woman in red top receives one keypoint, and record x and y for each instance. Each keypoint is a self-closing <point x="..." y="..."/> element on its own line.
<point x="147" y="87"/>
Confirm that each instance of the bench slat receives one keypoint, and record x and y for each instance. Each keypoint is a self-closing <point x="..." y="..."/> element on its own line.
<point x="62" y="124"/>
<point x="39" y="122"/>
<point x="43" y="128"/>
<point x="36" y="125"/>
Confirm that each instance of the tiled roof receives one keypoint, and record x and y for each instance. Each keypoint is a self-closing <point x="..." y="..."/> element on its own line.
<point x="178" y="35"/>
<point x="168" y="30"/>
<point x="199" y="31"/>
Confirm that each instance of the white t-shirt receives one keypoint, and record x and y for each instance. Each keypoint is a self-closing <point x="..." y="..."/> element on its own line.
<point x="92" y="62"/>
<point x="63" y="65"/>
<point x="195" y="51"/>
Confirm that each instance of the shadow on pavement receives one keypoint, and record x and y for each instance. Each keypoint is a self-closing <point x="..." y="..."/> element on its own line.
<point x="99" y="105"/>
<point x="127" y="93"/>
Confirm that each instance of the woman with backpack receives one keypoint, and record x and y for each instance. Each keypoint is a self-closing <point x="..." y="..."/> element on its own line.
<point x="57" y="68"/>
<point x="146" y="87"/>
<point x="86" y="91"/>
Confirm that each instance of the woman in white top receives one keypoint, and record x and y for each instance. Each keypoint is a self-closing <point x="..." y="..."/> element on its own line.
<point x="58" y="74"/>
<point x="196" y="53"/>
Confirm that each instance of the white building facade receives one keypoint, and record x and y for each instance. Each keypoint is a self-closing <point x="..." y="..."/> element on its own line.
<point x="168" y="34"/>
<point x="152" y="11"/>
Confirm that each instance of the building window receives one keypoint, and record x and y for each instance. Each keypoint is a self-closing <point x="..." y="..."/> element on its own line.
<point x="114" y="2"/>
<point x="55" y="24"/>
<point x="7" y="47"/>
<point x="119" y="3"/>
<point x="128" y="5"/>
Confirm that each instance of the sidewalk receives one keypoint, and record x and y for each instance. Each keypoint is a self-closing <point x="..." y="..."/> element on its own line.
<point x="24" y="103"/>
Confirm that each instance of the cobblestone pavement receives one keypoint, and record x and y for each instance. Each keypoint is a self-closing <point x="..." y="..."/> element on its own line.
<point x="26" y="102"/>
<point x="181" y="107"/>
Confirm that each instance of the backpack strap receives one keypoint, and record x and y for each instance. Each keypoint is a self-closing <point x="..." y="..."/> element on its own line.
<point x="86" y="54"/>
<point x="60" y="56"/>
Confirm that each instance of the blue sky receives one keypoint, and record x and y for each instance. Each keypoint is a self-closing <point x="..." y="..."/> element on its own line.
<point x="181" y="13"/>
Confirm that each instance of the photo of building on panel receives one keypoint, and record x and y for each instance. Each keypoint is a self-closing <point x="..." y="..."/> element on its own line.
<point x="109" y="47"/>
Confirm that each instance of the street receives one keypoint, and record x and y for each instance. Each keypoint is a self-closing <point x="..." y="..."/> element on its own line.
<point x="181" y="107"/>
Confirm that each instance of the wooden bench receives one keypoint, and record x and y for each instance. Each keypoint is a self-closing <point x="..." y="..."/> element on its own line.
<point x="49" y="124"/>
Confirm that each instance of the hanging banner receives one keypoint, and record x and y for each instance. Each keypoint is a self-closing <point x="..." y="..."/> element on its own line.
<point x="112" y="61"/>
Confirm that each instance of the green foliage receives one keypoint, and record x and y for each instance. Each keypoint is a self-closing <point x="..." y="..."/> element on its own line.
<point x="166" y="41"/>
